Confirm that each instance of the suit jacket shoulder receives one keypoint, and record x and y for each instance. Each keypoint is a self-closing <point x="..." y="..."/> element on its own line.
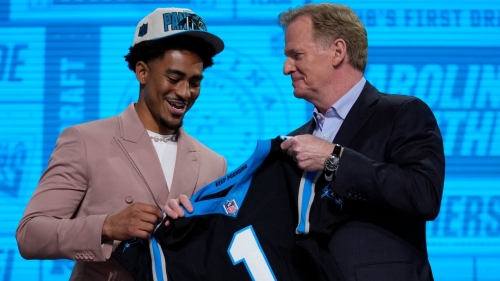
<point x="395" y="102"/>
<point x="196" y="166"/>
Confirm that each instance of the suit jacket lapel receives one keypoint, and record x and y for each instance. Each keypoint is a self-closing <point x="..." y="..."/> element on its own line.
<point x="187" y="167"/>
<point x="357" y="116"/>
<point x="135" y="142"/>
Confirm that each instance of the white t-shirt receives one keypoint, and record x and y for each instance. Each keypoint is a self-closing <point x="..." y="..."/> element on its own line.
<point x="167" y="153"/>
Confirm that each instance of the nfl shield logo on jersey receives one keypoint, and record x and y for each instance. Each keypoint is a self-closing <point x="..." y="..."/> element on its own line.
<point x="231" y="207"/>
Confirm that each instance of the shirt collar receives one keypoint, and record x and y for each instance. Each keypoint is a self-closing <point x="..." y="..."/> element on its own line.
<point x="343" y="105"/>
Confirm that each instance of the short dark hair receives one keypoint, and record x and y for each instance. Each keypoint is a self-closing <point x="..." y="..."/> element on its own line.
<point x="147" y="51"/>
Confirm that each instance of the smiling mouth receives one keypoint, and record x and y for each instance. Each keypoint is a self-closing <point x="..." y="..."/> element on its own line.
<point x="294" y="81"/>
<point x="177" y="107"/>
<point x="178" y="104"/>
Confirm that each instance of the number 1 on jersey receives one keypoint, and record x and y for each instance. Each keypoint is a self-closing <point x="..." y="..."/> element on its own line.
<point x="245" y="247"/>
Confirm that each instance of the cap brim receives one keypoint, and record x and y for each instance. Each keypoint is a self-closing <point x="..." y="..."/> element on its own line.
<point x="210" y="38"/>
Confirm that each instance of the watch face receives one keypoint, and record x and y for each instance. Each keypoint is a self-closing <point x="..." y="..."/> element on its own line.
<point x="331" y="163"/>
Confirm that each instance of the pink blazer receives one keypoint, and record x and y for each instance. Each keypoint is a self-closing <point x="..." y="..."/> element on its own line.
<point x="99" y="168"/>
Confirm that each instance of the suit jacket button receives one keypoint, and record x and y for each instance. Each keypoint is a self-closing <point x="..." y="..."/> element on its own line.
<point x="129" y="199"/>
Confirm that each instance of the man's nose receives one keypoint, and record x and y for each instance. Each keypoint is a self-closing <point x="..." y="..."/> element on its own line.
<point x="183" y="90"/>
<point x="288" y="66"/>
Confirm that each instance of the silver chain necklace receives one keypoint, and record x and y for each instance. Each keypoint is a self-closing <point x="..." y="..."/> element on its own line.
<point x="172" y="138"/>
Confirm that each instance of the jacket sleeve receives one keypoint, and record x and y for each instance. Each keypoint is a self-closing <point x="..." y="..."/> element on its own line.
<point x="50" y="227"/>
<point x="224" y="167"/>
<point x="410" y="177"/>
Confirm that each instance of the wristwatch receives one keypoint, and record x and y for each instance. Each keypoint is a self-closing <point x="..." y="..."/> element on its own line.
<point x="332" y="163"/>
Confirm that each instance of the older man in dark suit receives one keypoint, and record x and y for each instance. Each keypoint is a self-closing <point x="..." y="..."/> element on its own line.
<point x="380" y="156"/>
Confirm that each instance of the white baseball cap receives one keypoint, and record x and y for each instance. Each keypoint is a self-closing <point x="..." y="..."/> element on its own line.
<point x="164" y="22"/>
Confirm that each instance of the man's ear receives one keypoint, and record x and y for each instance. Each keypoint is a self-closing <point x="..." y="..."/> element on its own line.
<point x="339" y="51"/>
<point x="141" y="71"/>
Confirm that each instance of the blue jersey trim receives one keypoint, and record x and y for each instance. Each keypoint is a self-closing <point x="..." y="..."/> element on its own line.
<point x="306" y="197"/>
<point x="159" y="268"/>
<point x="239" y="178"/>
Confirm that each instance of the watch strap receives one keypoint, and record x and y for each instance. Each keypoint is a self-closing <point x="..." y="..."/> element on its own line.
<point x="336" y="150"/>
<point x="329" y="175"/>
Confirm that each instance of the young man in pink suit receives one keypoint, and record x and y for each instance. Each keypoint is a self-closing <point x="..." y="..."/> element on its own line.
<point x="108" y="180"/>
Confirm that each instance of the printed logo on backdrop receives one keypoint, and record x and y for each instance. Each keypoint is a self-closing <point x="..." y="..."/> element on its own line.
<point x="278" y="45"/>
<point x="467" y="224"/>
<point x="22" y="64"/>
<point x="443" y="18"/>
<point x="71" y="80"/>
<point x="240" y="102"/>
<point x="261" y="10"/>
<point x="12" y="163"/>
<point x="57" y="269"/>
<point x="461" y="85"/>
<point x="7" y="255"/>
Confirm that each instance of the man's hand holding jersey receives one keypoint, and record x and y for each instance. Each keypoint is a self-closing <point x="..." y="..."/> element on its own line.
<point x="308" y="151"/>
<point x="173" y="208"/>
<point x="139" y="219"/>
<point x="136" y="221"/>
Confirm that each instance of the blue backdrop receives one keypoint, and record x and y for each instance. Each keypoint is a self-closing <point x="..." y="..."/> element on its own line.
<point x="61" y="63"/>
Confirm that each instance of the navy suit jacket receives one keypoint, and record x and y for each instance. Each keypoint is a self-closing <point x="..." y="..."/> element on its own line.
<point x="391" y="178"/>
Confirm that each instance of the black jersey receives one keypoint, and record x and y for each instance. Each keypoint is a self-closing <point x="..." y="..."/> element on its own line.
<point x="242" y="228"/>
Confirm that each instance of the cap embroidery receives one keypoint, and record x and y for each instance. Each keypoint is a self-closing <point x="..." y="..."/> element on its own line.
<point x="182" y="21"/>
<point x="143" y="30"/>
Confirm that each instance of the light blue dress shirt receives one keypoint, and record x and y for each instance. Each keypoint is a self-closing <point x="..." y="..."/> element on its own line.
<point x="328" y="126"/>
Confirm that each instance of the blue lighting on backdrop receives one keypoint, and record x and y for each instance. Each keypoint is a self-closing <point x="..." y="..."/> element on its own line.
<point x="61" y="63"/>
